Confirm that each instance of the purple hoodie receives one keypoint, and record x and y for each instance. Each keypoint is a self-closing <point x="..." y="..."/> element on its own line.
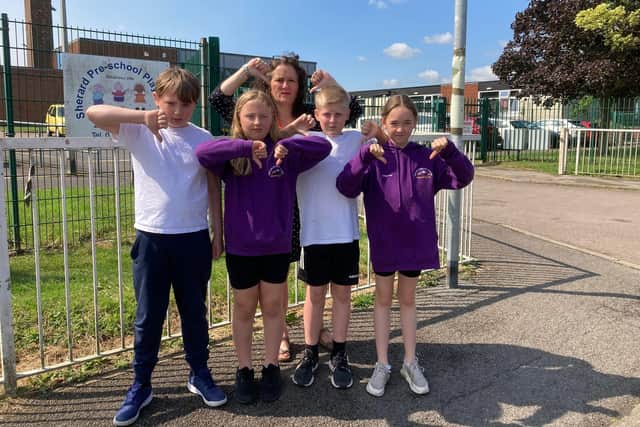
<point x="258" y="208"/>
<point x="399" y="200"/>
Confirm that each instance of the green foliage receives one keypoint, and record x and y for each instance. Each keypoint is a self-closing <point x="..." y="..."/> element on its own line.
<point x="363" y="301"/>
<point x="619" y="27"/>
<point x="551" y="56"/>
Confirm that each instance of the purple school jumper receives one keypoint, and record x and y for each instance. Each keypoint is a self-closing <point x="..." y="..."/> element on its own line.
<point x="258" y="208"/>
<point x="399" y="200"/>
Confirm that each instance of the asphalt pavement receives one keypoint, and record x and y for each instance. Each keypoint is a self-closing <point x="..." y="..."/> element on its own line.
<point x="543" y="333"/>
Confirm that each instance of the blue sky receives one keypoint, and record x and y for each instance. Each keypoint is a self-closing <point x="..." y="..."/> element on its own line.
<point x="365" y="44"/>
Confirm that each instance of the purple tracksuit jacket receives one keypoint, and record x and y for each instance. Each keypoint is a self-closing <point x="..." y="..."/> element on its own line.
<point x="399" y="200"/>
<point x="258" y="208"/>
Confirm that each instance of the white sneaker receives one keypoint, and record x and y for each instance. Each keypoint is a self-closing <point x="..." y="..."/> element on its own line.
<point x="378" y="380"/>
<point x="414" y="375"/>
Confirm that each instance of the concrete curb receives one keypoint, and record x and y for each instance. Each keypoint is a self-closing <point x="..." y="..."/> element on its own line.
<point x="508" y="175"/>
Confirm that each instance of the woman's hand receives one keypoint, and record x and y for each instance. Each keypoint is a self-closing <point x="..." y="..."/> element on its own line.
<point x="320" y="79"/>
<point x="303" y="123"/>
<point x="257" y="68"/>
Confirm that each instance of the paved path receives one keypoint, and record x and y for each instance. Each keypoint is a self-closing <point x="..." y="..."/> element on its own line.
<point x="600" y="215"/>
<point x="541" y="335"/>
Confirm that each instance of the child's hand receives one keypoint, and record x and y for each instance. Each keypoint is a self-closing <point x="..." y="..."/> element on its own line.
<point x="378" y="152"/>
<point x="217" y="248"/>
<point x="437" y="146"/>
<point x="320" y="79"/>
<point x="258" y="151"/>
<point x="156" y="120"/>
<point x="369" y="129"/>
<point x="303" y="123"/>
<point x="280" y="153"/>
<point x="258" y="69"/>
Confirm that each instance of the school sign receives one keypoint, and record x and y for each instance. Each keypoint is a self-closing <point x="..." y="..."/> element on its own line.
<point x="93" y="80"/>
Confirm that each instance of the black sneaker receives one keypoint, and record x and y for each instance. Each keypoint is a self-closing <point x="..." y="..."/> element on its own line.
<point x="341" y="375"/>
<point x="270" y="383"/>
<point x="303" y="375"/>
<point x="245" y="386"/>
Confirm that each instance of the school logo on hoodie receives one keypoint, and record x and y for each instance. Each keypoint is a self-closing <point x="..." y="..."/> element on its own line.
<point x="275" y="172"/>
<point x="422" y="173"/>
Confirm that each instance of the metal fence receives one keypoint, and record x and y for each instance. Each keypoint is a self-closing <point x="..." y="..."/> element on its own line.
<point x="72" y="303"/>
<point x="520" y="129"/>
<point x="611" y="152"/>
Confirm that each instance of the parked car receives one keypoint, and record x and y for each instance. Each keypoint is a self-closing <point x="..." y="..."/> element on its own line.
<point x="556" y="125"/>
<point x="495" y="140"/>
<point x="54" y="120"/>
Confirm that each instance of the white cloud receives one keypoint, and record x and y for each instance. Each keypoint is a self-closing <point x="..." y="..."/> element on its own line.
<point x="390" y="83"/>
<point x="361" y="58"/>
<point x="443" y="38"/>
<point x="401" y="51"/>
<point x="378" y="4"/>
<point x="482" y="74"/>
<point x="430" y="76"/>
<point x="502" y="43"/>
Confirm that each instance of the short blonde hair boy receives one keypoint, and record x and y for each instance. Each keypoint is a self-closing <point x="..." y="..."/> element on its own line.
<point x="332" y="95"/>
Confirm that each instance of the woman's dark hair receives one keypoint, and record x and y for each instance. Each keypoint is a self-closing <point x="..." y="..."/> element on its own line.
<point x="290" y="59"/>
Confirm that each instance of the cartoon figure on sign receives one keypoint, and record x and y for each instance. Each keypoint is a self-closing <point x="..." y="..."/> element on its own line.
<point x="138" y="96"/>
<point x="118" y="92"/>
<point x="98" y="94"/>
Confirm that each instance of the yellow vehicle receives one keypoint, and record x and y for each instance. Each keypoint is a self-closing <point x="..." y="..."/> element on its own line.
<point x="54" y="120"/>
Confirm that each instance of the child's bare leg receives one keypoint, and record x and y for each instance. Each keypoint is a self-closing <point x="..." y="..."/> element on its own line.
<point x="284" y="342"/>
<point x="340" y="311"/>
<point x="273" y="319"/>
<point x="384" y="298"/>
<point x="244" y="310"/>
<point x="407" y="301"/>
<point x="313" y="310"/>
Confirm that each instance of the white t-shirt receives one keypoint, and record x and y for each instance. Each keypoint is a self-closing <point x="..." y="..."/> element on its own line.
<point x="170" y="185"/>
<point x="326" y="216"/>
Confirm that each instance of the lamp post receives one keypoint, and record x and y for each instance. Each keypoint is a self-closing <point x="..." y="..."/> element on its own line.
<point x="454" y="200"/>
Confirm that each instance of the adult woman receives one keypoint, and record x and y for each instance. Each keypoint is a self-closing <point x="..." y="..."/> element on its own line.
<point x="285" y="80"/>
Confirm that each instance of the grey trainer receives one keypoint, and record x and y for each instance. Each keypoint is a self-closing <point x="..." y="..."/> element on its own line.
<point x="414" y="375"/>
<point x="378" y="380"/>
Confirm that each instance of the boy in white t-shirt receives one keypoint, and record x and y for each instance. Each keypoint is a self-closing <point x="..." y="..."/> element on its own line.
<point x="172" y="247"/>
<point x="329" y="236"/>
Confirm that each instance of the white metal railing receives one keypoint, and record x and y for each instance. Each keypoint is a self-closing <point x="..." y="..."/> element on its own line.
<point x="75" y="352"/>
<point x="610" y="152"/>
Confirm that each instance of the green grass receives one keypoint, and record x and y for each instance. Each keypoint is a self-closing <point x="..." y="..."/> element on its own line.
<point x="78" y="215"/>
<point x="23" y="279"/>
<point x="591" y="162"/>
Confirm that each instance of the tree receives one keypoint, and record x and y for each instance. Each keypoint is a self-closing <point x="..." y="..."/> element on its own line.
<point x="619" y="27"/>
<point x="551" y="56"/>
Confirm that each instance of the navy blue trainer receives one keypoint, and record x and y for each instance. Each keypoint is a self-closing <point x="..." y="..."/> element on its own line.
<point x="138" y="396"/>
<point x="202" y="384"/>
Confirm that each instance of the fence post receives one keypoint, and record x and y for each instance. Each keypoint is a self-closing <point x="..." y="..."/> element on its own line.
<point x="562" y="152"/>
<point x="8" y="106"/>
<point x="484" y="123"/>
<point x="6" y="313"/>
<point x="213" y="59"/>
<point x="204" y="83"/>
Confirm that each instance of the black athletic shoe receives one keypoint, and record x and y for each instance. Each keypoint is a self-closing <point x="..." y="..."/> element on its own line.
<point x="303" y="375"/>
<point x="270" y="383"/>
<point x="245" y="386"/>
<point x="341" y="375"/>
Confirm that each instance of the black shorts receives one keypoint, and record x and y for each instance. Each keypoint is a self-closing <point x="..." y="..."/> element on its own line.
<point x="407" y="273"/>
<point x="246" y="271"/>
<point x="336" y="262"/>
